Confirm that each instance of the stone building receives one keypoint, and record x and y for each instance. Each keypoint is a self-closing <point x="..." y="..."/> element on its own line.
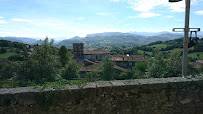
<point x="78" y="50"/>
<point x="95" y="55"/>
<point x="128" y="61"/>
<point x="199" y="64"/>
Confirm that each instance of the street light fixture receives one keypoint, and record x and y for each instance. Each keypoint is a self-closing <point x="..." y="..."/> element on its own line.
<point x="174" y="0"/>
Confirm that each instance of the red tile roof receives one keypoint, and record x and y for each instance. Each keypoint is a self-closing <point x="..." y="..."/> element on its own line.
<point x="92" y="67"/>
<point x="121" y="69"/>
<point x="129" y="58"/>
<point x="96" y="52"/>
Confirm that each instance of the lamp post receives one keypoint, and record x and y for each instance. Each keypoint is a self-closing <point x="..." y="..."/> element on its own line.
<point x="185" y="41"/>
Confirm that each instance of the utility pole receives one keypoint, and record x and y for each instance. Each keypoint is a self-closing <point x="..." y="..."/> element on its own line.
<point x="185" y="41"/>
<point x="186" y="30"/>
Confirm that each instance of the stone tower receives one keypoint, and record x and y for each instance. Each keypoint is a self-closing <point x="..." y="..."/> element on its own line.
<point x="78" y="50"/>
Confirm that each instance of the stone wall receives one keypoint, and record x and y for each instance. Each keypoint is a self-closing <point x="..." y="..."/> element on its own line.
<point x="166" y="95"/>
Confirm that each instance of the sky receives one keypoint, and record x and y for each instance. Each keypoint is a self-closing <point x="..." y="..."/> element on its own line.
<point x="61" y="19"/>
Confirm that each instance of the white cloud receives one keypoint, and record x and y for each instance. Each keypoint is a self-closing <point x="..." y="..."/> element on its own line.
<point x="1" y="17"/>
<point x="114" y="0"/>
<point x="21" y="20"/>
<point x="127" y="24"/>
<point x="199" y="12"/>
<point x="177" y="6"/>
<point x="147" y="5"/>
<point x="147" y="15"/>
<point x="3" y="22"/>
<point x="169" y="16"/>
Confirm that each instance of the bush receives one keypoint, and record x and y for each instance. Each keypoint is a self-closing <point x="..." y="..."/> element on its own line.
<point x="107" y="69"/>
<point x="2" y="50"/>
<point x="90" y="76"/>
<point x="123" y="76"/>
<point x="140" y="70"/>
<point x="71" y="70"/>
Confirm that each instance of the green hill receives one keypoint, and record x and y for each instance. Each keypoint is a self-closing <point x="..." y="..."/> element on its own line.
<point x="9" y="48"/>
<point x="194" y="53"/>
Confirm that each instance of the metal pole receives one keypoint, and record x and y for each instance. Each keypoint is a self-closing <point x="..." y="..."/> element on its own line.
<point x="185" y="42"/>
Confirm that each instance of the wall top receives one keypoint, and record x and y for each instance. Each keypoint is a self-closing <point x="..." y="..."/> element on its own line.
<point x="94" y="85"/>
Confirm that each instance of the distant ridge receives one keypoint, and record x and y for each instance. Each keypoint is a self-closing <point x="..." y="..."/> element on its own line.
<point x="118" y="39"/>
<point x="24" y="40"/>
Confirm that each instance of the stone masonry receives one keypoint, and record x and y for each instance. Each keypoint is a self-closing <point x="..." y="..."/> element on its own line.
<point x="159" y="95"/>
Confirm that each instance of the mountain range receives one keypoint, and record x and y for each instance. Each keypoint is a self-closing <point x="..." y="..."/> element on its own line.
<point x="118" y="39"/>
<point x="24" y="40"/>
<point x="108" y="39"/>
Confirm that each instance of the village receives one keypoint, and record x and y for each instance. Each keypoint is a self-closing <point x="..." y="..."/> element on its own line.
<point x="90" y="60"/>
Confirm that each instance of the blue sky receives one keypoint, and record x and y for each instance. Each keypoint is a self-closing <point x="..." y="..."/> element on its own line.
<point x="67" y="18"/>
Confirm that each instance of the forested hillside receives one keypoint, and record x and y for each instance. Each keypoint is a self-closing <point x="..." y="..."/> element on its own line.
<point x="8" y="48"/>
<point x="24" y="40"/>
<point x="195" y="52"/>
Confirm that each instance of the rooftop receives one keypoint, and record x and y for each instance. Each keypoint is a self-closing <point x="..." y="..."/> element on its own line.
<point x="86" y="52"/>
<point x="129" y="58"/>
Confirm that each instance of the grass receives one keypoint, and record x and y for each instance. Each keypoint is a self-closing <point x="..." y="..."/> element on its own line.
<point x="142" y="52"/>
<point x="194" y="55"/>
<point x="158" y="46"/>
<point x="6" y="55"/>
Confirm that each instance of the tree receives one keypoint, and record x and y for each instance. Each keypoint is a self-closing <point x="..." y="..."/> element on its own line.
<point x="44" y="60"/>
<point x="64" y="55"/>
<point x="160" y="67"/>
<point x="3" y="50"/>
<point x="71" y="70"/>
<point x="42" y="65"/>
<point x="140" y="70"/>
<point x="107" y="69"/>
<point x="174" y="65"/>
<point x="157" y="66"/>
<point x="90" y="76"/>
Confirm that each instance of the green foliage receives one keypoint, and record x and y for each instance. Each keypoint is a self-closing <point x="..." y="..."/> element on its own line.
<point x="160" y="67"/>
<point x="107" y="69"/>
<point x="157" y="66"/>
<point x="123" y="76"/>
<point x="140" y="70"/>
<point x="42" y="65"/>
<point x="16" y="58"/>
<point x="2" y="50"/>
<point x="8" y="71"/>
<point x="174" y="65"/>
<point x="64" y="55"/>
<point x="71" y="70"/>
<point x="44" y="60"/>
<point x="6" y="55"/>
<point x="90" y="76"/>
<point x="191" y="70"/>
<point x="5" y="43"/>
